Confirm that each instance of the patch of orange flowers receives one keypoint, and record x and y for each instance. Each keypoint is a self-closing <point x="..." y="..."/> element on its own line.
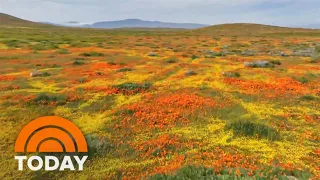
<point x="279" y="88"/>
<point x="160" y="146"/>
<point x="7" y="78"/>
<point x="165" y="111"/>
<point x="219" y="160"/>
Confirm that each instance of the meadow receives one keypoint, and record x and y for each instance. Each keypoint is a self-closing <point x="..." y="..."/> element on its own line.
<point x="167" y="104"/>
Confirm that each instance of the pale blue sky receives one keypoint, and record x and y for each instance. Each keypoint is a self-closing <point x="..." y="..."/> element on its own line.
<point x="277" y="12"/>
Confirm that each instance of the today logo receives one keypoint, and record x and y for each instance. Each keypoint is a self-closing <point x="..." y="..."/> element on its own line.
<point x="51" y="134"/>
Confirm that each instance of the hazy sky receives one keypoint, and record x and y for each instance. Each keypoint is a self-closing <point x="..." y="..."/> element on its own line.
<point x="277" y="12"/>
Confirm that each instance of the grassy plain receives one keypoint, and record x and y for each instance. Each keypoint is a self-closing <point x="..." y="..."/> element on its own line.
<point x="161" y="104"/>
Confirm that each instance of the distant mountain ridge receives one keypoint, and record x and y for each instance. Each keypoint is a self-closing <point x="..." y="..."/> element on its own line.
<point x="313" y="26"/>
<point x="73" y="22"/>
<point x="131" y="23"/>
<point x="138" y="23"/>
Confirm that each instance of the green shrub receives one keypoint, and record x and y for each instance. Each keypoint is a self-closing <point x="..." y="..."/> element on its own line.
<point x="98" y="144"/>
<point x="133" y="87"/>
<point x="193" y="56"/>
<point x="63" y="51"/>
<point x="315" y="58"/>
<point x="46" y="74"/>
<point x="82" y="80"/>
<point x="251" y="129"/>
<point x="46" y="99"/>
<point x="219" y="54"/>
<point x="231" y="74"/>
<point x="172" y="60"/>
<point x="99" y="73"/>
<point x="13" y="43"/>
<point x="317" y="49"/>
<point x="303" y="79"/>
<point x="308" y="98"/>
<point x="275" y="62"/>
<point x="78" y="62"/>
<point x="44" y="45"/>
<point x="112" y="63"/>
<point x="270" y="65"/>
<point x="54" y="66"/>
<point x="92" y="54"/>
<point x="124" y="70"/>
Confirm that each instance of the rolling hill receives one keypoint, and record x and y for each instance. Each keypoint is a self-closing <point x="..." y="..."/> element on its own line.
<point x="8" y="20"/>
<point x="250" y="29"/>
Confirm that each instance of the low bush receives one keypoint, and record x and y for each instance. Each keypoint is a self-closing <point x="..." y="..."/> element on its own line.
<point x="252" y="129"/>
<point x="171" y="60"/>
<point x="82" y="80"/>
<point x="124" y="70"/>
<point x="315" y="58"/>
<point x="46" y="74"/>
<point x="98" y="144"/>
<point x="99" y="73"/>
<point x="92" y="54"/>
<point x="302" y="80"/>
<point x="112" y="63"/>
<point x="132" y="88"/>
<point x="13" y="43"/>
<point x="44" y="45"/>
<point x="259" y="64"/>
<point x="193" y="56"/>
<point x="78" y="62"/>
<point x="45" y="98"/>
<point x="307" y="98"/>
<point x="231" y="74"/>
<point x="63" y="51"/>
<point x="275" y="62"/>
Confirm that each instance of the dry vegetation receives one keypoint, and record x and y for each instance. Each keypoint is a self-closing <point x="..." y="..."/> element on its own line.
<point x="168" y="104"/>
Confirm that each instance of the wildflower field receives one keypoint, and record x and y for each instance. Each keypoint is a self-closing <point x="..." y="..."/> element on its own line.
<point x="167" y="104"/>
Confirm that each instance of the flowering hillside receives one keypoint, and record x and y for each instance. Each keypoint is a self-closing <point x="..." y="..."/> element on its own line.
<point x="167" y="104"/>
